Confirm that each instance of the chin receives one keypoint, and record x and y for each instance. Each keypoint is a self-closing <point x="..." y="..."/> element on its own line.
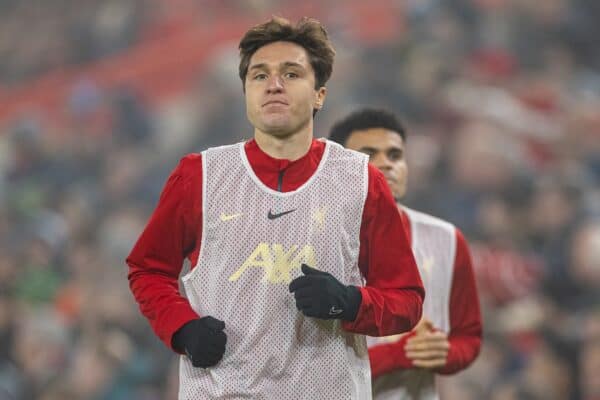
<point x="399" y="194"/>
<point x="279" y="132"/>
<point x="277" y="128"/>
<point x="275" y="121"/>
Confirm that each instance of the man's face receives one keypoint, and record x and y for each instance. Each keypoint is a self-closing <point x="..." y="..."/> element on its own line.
<point x="386" y="152"/>
<point x="280" y="89"/>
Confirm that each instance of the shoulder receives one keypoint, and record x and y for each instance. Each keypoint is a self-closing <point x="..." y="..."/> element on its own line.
<point x="221" y="153"/>
<point x="435" y="223"/>
<point x="427" y="219"/>
<point x="462" y="246"/>
<point x="337" y="150"/>
<point x="189" y="165"/>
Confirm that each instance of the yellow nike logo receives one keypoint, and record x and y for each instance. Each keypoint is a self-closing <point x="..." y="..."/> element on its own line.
<point x="224" y="217"/>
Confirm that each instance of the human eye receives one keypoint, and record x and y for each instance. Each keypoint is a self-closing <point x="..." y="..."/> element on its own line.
<point x="369" y="152"/>
<point x="291" y="75"/>
<point x="259" y="76"/>
<point x="395" y="155"/>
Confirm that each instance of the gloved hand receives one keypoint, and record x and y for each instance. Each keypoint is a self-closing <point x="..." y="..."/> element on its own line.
<point x="319" y="294"/>
<point x="202" y="340"/>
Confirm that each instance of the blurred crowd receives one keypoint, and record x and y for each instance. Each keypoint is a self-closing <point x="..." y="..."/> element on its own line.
<point x="59" y="33"/>
<point x="501" y="100"/>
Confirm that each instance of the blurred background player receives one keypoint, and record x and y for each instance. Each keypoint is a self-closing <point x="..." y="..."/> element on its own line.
<point x="258" y="321"/>
<point x="448" y="337"/>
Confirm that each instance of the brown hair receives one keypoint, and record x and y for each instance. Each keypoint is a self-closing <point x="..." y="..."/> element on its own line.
<point x="308" y="33"/>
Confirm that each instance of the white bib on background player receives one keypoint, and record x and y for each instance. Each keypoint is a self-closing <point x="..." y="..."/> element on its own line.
<point x="434" y="247"/>
<point x="254" y="240"/>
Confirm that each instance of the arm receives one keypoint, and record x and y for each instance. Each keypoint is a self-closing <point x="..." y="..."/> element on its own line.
<point x="430" y="348"/>
<point x="446" y="353"/>
<point x="388" y="357"/>
<point x="392" y="299"/>
<point x="465" y="317"/>
<point x="171" y="235"/>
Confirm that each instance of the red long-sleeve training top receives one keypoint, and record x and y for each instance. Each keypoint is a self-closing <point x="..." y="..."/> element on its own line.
<point x="465" y="320"/>
<point x="391" y="299"/>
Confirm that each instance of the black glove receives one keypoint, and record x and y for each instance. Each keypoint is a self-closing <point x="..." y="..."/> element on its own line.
<point x="320" y="295"/>
<point x="202" y="340"/>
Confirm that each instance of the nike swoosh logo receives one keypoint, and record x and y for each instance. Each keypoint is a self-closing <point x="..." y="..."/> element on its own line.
<point x="225" y="217"/>
<point x="335" y="311"/>
<point x="271" y="215"/>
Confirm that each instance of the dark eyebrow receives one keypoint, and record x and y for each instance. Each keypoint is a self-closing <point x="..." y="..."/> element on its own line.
<point x="394" y="148"/>
<point x="258" y="66"/>
<point x="284" y="64"/>
<point x="375" y="150"/>
<point x="371" y="149"/>
<point x="292" y="64"/>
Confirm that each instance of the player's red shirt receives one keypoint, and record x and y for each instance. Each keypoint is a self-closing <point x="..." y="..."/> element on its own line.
<point x="465" y="320"/>
<point x="391" y="300"/>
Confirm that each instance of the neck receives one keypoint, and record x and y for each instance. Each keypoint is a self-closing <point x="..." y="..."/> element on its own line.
<point x="290" y="147"/>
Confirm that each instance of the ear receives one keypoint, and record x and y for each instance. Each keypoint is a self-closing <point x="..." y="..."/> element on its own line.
<point x="320" y="95"/>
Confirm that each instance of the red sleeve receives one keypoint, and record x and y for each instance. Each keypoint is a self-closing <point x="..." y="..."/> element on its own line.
<point x="465" y="317"/>
<point x="172" y="234"/>
<point x="385" y="358"/>
<point x="465" y="324"/>
<point x="392" y="299"/>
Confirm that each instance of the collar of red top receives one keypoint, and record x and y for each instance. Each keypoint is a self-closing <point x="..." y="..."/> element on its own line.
<point x="300" y="169"/>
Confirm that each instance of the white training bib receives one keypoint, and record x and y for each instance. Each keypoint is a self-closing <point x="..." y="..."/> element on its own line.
<point x="254" y="240"/>
<point x="434" y="248"/>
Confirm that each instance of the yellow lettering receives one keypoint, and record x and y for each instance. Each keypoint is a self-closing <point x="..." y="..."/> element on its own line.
<point x="260" y="257"/>
<point x="281" y="268"/>
<point x="305" y="256"/>
<point x="275" y="260"/>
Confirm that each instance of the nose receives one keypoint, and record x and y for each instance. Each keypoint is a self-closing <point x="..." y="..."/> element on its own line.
<point x="275" y="84"/>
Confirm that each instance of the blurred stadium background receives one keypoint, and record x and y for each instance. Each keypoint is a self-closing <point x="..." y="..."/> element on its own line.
<point x="100" y="99"/>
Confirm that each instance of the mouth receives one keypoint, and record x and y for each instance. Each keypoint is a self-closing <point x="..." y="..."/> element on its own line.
<point x="275" y="102"/>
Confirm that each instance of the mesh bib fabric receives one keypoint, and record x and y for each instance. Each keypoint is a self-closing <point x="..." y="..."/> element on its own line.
<point x="254" y="240"/>
<point x="434" y="248"/>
